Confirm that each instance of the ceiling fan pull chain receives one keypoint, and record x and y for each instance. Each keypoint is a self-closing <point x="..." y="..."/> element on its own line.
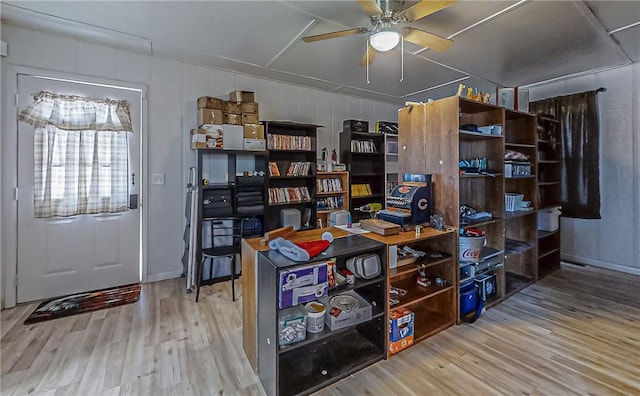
<point x="367" y="52"/>
<point x="401" y="58"/>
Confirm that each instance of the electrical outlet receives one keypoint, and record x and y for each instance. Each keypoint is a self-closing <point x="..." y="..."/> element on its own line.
<point x="157" y="179"/>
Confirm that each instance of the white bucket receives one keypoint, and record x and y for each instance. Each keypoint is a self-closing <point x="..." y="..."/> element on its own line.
<point x="470" y="248"/>
<point x="315" y="316"/>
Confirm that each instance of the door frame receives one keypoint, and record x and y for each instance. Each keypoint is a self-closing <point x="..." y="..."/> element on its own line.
<point x="9" y="171"/>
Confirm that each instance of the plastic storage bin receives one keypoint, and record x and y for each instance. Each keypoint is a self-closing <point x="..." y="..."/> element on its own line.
<point x="512" y="201"/>
<point x="549" y="219"/>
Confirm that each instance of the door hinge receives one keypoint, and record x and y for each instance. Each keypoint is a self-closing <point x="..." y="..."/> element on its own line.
<point x="15" y="194"/>
<point x="16" y="100"/>
<point x="15" y="281"/>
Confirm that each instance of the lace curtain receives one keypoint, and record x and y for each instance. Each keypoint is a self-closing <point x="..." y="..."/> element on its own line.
<point x="81" y="154"/>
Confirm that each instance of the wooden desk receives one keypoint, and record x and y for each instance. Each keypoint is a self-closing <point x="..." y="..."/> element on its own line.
<point x="250" y="249"/>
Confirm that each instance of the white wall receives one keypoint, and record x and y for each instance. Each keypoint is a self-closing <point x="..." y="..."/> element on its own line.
<point x="173" y="87"/>
<point x="614" y="240"/>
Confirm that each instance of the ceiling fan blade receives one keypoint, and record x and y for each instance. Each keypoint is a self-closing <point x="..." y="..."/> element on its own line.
<point x="331" y="35"/>
<point x="370" y="7"/>
<point x="372" y="56"/>
<point x="425" y="39"/>
<point x="424" y="8"/>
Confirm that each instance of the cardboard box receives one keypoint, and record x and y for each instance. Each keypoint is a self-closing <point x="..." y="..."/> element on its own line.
<point x="355" y="126"/>
<point x="400" y="329"/>
<point x="232" y="137"/>
<point x="232" y="107"/>
<point x="253" y="131"/>
<point x="233" y="119"/>
<point x="303" y="284"/>
<point x="397" y="346"/>
<point x="336" y="319"/>
<point x="210" y="116"/>
<point x="387" y="127"/>
<point x="207" y="138"/>
<point x="400" y="324"/>
<point x="249" y="107"/>
<point x="254" y="144"/>
<point x="250" y="118"/>
<point x="241" y="96"/>
<point x="210" y="103"/>
<point x="198" y="140"/>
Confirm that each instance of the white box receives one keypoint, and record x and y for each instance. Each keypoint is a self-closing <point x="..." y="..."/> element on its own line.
<point x="393" y="256"/>
<point x="291" y="217"/>
<point x="548" y="219"/>
<point x="254" y="144"/>
<point x="346" y="319"/>
<point x="232" y="137"/>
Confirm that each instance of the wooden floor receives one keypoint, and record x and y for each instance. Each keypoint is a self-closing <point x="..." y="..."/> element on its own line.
<point x="575" y="332"/>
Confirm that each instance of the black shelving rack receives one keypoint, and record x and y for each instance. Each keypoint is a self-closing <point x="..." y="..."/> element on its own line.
<point x="287" y="143"/>
<point x="330" y="355"/>
<point x="366" y="165"/>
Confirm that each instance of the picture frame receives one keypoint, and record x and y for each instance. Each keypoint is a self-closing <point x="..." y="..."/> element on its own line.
<point x="507" y="98"/>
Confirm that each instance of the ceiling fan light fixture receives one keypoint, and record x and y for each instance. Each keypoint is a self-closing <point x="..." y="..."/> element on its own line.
<point x="383" y="40"/>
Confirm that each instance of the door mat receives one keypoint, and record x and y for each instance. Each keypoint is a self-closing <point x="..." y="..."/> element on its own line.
<point x="84" y="302"/>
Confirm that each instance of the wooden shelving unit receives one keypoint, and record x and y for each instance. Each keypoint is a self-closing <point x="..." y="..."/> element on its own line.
<point x="366" y="165"/>
<point x="331" y="195"/>
<point x="520" y="225"/>
<point x="548" y="131"/>
<point x="434" y="307"/>
<point x="431" y="141"/>
<point x="290" y="143"/>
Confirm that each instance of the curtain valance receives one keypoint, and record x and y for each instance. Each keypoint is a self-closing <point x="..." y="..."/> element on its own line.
<point x="76" y="113"/>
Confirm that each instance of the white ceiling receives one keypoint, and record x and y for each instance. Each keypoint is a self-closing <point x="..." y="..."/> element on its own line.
<point x="505" y="43"/>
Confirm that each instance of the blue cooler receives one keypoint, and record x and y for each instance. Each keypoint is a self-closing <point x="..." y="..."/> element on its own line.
<point x="470" y="301"/>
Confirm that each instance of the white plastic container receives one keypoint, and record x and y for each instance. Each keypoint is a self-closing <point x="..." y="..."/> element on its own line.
<point x="315" y="316"/>
<point x="512" y="201"/>
<point x="470" y="248"/>
<point x="291" y="217"/>
<point x="549" y="219"/>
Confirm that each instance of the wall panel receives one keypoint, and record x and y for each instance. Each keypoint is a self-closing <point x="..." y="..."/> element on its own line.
<point x="132" y="66"/>
<point x="222" y="82"/>
<point x="100" y="60"/>
<point x="165" y="203"/>
<point x="173" y="88"/>
<point x="288" y="103"/>
<point x="612" y="241"/>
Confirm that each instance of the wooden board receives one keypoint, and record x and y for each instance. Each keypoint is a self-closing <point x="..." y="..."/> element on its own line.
<point x="381" y="227"/>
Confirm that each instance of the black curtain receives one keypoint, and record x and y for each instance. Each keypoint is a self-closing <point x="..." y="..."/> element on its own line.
<point x="579" y="138"/>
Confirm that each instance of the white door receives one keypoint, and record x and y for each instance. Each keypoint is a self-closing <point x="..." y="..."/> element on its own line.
<point x="64" y="255"/>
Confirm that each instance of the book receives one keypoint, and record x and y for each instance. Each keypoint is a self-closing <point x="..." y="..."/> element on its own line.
<point x="273" y="169"/>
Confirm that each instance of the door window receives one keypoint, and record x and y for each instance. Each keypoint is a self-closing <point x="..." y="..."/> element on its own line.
<point x="81" y="154"/>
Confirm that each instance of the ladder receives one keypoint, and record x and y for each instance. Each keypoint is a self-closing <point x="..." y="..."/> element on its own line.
<point x="190" y="231"/>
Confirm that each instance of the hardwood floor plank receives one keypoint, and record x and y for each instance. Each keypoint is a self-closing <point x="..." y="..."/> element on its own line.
<point x="576" y="332"/>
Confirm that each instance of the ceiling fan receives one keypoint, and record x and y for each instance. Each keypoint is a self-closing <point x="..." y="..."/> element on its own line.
<point x="386" y="34"/>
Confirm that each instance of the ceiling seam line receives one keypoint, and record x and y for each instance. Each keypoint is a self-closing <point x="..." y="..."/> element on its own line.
<point x="624" y="28"/>
<point x="481" y="22"/>
<point x="290" y="44"/>
<point x="435" y="87"/>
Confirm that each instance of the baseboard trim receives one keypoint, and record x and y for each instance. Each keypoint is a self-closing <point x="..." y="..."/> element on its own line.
<point x="597" y="263"/>
<point x="163" y="276"/>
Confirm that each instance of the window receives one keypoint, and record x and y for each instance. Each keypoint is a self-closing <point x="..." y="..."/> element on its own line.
<point x="81" y="155"/>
